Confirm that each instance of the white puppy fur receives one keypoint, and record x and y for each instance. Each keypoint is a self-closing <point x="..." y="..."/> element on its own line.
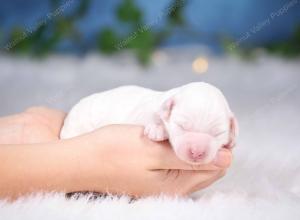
<point x="195" y="117"/>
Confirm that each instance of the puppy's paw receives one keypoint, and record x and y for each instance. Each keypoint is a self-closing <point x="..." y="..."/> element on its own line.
<point x="156" y="132"/>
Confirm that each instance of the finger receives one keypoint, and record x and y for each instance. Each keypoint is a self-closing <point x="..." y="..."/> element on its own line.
<point x="166" y="159"/>
<point x="223" y="158"/>
<point x="199" y="181"/>
<point x="180" y="182"/>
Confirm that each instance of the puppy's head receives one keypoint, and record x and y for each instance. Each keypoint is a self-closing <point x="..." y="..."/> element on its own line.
<point x="199" y="122"/>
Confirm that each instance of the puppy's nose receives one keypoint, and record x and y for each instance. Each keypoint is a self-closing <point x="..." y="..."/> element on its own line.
<point x="196" y="153"/>
<point x="198" y="146"/>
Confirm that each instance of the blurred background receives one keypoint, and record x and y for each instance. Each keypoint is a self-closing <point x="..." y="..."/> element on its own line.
<point x="80" y="26"/>
<point x="54" y="52"/>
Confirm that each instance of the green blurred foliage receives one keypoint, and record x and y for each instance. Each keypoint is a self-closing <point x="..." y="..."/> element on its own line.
<point x="176" y="12"/>
<point x="48" y="33"/>
<point x="107" y="39"/>
<point x="288" y="48"/>
<point x="141" y="37"/>
<point x="129" y="12"/>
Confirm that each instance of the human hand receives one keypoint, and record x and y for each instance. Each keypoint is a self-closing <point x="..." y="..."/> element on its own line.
<point x="121" y="159"/>
<point x="35" y="125"/>
<point x="116" y="159"/>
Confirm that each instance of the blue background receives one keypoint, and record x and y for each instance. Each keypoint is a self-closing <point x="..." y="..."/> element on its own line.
<point x="229" y="18"/>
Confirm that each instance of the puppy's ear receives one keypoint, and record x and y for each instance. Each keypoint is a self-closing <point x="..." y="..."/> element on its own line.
<point x="166" y="109"/>
<point x="233" y="132"/>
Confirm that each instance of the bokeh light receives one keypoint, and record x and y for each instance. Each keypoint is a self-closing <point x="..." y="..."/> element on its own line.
<point x="200" y="65"/>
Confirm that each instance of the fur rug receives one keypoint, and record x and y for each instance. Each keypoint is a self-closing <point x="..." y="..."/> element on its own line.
<point x="264" y="180"/>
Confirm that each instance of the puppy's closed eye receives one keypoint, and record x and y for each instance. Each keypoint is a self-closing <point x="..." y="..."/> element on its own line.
<point x="185" y="125"/>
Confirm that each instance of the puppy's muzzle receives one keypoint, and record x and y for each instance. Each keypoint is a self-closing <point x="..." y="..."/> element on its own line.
<point x="193" y="147"/>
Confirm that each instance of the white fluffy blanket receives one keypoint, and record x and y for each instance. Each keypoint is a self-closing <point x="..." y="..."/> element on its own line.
<point x="264" y="180"/>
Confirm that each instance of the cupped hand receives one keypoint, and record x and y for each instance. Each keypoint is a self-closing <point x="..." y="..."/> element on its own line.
<point x="117" y="158"/>
<point x="125" y="161"/>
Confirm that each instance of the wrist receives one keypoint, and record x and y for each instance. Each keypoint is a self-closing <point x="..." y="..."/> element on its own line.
<point x="94" y="168"/>
<point x="58" y="166"/>
<point x="81" y="162"/>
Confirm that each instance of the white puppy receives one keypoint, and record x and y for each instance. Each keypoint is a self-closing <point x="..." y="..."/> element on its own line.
<point x="195" y="117"/>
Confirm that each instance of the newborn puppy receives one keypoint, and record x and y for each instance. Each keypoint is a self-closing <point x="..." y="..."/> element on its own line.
<point x="195" y="117"/>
